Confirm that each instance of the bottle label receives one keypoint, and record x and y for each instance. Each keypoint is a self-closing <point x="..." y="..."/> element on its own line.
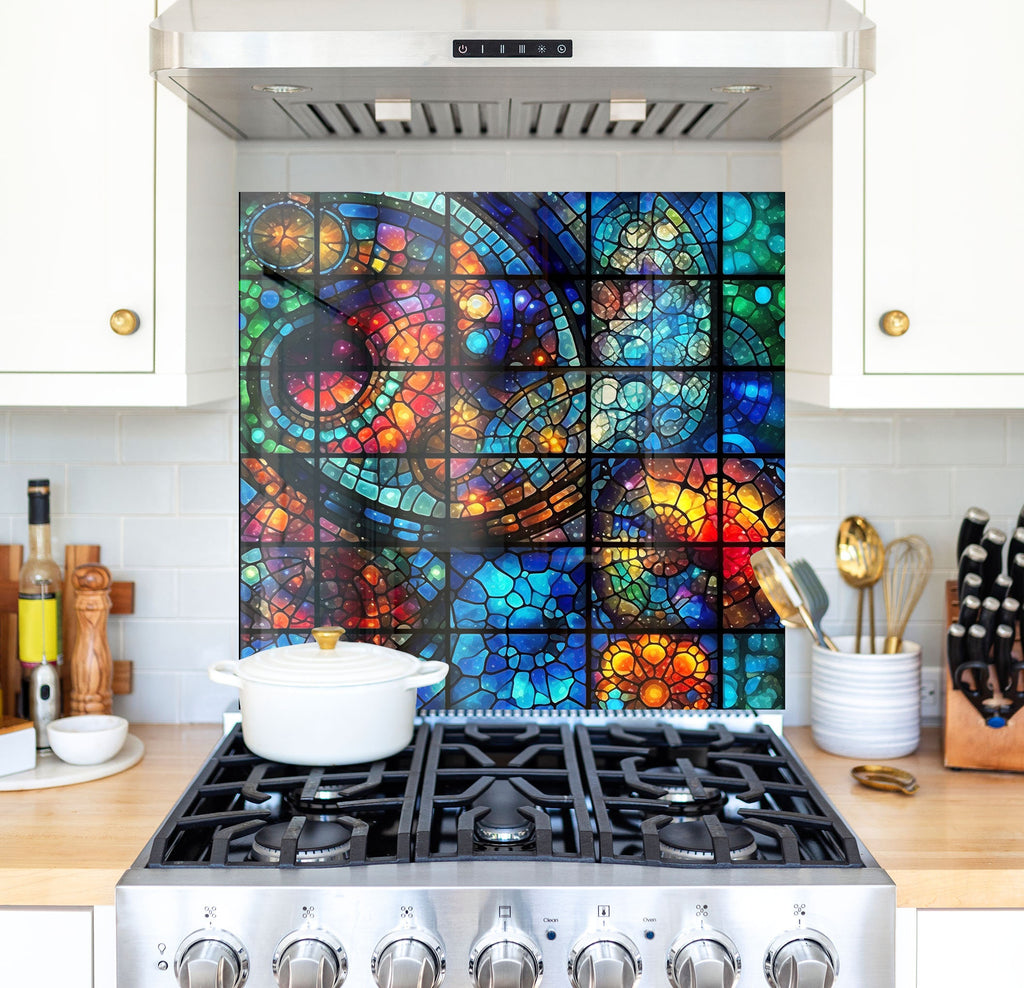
<point x="38" y="628"/>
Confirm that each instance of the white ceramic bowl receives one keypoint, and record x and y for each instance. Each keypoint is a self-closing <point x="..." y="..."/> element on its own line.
<point x="88" y="739"/>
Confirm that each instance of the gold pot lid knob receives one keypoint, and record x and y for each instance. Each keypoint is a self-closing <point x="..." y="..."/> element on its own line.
<point x="124" y="322"/>
<point x="895" y="322"/>
<point x="327" y="637"/>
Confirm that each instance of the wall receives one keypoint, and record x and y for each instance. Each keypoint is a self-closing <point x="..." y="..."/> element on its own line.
<point x="158" y="490"/>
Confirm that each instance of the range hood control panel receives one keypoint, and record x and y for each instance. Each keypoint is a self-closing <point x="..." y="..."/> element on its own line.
<point x="512" y="48"/>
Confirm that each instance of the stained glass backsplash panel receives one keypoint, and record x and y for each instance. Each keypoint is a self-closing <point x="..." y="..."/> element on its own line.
<point x="536" y="435"/>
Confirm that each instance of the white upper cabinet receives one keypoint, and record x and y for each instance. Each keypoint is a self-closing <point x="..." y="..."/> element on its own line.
<point x="99" y="219"/>
<point x="905" y="199"/>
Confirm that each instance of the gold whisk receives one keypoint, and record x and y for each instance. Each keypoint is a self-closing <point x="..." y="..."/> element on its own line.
<point x="908" y="564"/>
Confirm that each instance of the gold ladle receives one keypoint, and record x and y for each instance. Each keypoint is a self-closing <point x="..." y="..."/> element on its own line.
<point x="776" y="581"/>
<point x="860" y="559"/>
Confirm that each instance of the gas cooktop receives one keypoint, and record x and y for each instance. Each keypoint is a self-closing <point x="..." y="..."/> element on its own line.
<point x="648" y="793"/>
<point x="493" y="853"/>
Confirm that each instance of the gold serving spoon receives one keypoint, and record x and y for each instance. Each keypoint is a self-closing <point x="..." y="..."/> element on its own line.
<point x="776" y="581"/>
<point x="860" y="559"/>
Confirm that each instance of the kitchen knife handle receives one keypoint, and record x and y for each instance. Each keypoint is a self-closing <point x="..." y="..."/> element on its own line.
<point x="1001" y="587"/>
<point x="955" y="649"/>
<point x="971" y="586"/>
<point x="970" y="608"/>
<point x="1009" y="612"/>
<point x="972" y="560"/>
<point x="988" y="618"/>
<point x="1017" y="576"/>
<point x="973" y="524"/>
<point x="1016" y="545"/>
<point x="993" y="542"/>
<point x="977" y="663"/>
<point x="1004" y="644"/>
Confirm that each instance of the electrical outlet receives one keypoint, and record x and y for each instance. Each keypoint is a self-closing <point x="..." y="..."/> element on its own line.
<point x="931" y="694"/>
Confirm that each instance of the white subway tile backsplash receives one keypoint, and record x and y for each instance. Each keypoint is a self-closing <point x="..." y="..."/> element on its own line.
<point x="154" y="699"/>
<point x="322" y="172"/>
<point x="952" y="440"/>
<point x="798" y="700"/>
<point x="156" y="592"/>
<point x="76" y="436"/>
<point x="179" y="645"/>
<point x="118" y="489"/>
<point x="208" y="593"/>
<point x="812" y="493"/>
<point x="1015" y="438"/>
<point x="708" y="172"/>
<point x="178" y="542"/>
<point x="209" y="490"/>
<point x="101" y="530"/>
<point x="174" y="437"/>
<point x="813" y="540"/>
<point x="14" y="478"/>
<point x="203" y="701"/>
<point x="999" y="490"/>
<point x="815" y="440"/>
<point x="896" y="493"/>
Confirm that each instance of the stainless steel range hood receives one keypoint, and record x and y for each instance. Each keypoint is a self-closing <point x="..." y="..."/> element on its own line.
<point x="340" y="69"/>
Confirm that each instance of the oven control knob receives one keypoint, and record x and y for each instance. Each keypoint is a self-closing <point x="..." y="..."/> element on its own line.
<point x="211" y="959"/>
<point x="310" y="959"/>
<point x="608" y="960"/>
<point x="707" y="960"/>
<point x="801" y="959"/>
<point x="409" y="959"/>
<point x="505" y="960"/>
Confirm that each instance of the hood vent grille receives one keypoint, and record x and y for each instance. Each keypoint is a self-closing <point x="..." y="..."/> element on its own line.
<point x="434" y="119"/>
<point x="574" y="119"/>
<point x="579" y="119"/>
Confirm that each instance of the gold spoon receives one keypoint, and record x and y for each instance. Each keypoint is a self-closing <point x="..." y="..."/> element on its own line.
<point x="860" y="559"/>
<point x="776" y="581"/>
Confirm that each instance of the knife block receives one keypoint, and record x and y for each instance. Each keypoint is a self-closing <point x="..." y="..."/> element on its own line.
<point x="967" y="741"/>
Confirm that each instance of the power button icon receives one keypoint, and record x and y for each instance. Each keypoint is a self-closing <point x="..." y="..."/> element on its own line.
<point x="463" y="49"/>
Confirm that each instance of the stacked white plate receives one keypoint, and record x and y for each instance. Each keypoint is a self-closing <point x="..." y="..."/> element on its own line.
<point x="866" y="705"/>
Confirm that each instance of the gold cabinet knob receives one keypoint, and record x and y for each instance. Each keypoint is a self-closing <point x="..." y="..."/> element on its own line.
<point x="895" y="323"/>
<point x="327" y="637"/>
<point x="124" y="322"/>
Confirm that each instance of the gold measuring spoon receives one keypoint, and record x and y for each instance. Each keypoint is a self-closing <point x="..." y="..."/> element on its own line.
<point x="860" y="559"/>
<point x="885" y="777"/>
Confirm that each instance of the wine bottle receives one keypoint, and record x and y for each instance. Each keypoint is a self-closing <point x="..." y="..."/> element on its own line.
<point x="39" y="592"/>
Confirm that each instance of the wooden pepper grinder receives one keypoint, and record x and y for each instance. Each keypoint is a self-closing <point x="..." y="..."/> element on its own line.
<point x="92" y="670"/>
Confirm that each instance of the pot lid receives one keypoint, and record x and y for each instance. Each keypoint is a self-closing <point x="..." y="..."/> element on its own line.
<point x="328" y="663"/>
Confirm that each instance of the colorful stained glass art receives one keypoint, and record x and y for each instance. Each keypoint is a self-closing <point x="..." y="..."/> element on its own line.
<point x="534" y="435"/>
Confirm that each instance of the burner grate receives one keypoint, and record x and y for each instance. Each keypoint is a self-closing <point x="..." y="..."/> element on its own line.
<point x="501" y="790"/>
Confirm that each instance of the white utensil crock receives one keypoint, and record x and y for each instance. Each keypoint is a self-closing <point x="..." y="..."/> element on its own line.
<point x="304" y="705"/>
<point x="866" y="705"/>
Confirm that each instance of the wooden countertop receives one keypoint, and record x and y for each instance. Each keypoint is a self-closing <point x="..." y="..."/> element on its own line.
<point x="69" y="846"/>
<point x="958" y="843"/>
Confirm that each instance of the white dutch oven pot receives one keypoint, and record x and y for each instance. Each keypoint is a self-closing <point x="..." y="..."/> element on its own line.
<point x="324" y="704"/>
